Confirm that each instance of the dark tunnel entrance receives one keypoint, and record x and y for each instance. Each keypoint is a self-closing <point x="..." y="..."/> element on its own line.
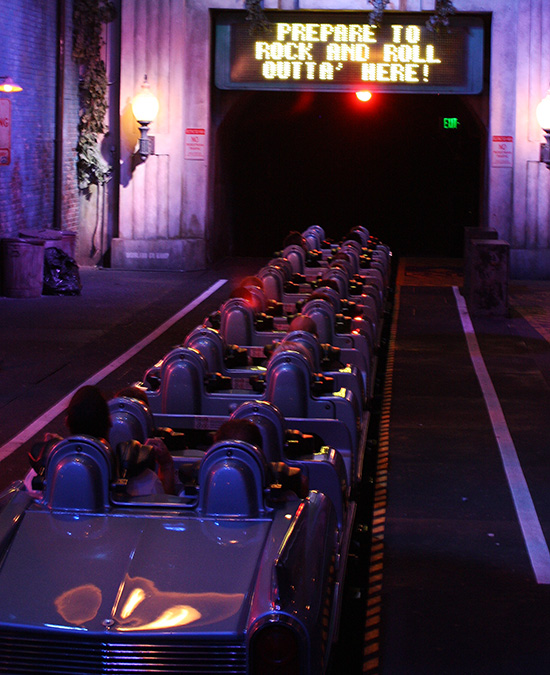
<point x="409" y="167"/>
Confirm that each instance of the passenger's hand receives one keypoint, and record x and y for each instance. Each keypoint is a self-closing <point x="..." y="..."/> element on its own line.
<point x="165" y="464"/>
<point x="161" y="453"/>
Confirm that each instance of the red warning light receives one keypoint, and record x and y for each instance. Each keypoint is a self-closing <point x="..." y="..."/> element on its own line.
<point x="364" y="95"/>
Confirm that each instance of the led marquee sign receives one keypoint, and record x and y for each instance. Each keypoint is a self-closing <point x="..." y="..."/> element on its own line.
<point x="330" y="51"/>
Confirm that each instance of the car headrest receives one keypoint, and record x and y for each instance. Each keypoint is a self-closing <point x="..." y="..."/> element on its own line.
<point x="271" y="423"/>
<point x="131" y="420"/>
<point x="310" y="342"/>
<point x="237" y="321"/>
<point x="297" y="257"/>
<point x="79" y="473"/>
<point x="232" y="479"/>
<point x="210" y="344"/>
<point x="288" y="380"/>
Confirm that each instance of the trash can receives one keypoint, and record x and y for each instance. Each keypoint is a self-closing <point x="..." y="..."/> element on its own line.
<point x="50" y="237"/>
<point x="68" y="242"/>
<point x="23" y="267"/>
<point x="62" y="239"/>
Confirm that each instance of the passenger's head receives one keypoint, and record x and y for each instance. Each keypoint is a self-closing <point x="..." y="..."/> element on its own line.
<point x="88" y="413"/>
<point x="239" y="430"/>
<point x="354" y="236"/>
<point x="252" y="281"/>
<point x="329" y="283"/>
<point x="294" y="237"/>
<point x="244" y="293"/>
<point x="134" y="392"/>
<point x="305" y="323"/>
<point x="341" y="256"/>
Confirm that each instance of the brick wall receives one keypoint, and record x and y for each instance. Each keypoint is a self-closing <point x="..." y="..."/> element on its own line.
<point x="29" y="55"/>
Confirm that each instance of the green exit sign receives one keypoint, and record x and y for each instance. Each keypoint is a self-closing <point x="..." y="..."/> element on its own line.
<point x="450" y="122"/>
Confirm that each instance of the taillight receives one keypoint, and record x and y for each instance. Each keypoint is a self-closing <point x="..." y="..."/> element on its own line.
<point x="275" y="649"/>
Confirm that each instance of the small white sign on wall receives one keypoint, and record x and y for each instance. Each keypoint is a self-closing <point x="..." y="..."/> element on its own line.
<point x="195" y="143"/>
<point x="503" y="151"/>
<point x="5" y="131"/>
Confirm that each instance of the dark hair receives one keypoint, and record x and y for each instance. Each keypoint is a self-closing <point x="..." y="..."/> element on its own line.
<point x="88" y="413"/>
<point x="239" y="430"/>
<point x="134" y="392"/>
<point x="252" y="281"/>
<point x="243" y="293"/>
<point x="329" y="283"/>
<point x="302" y="322"/>
<point x="354" y="236"/>
<point x="294" y="237"/>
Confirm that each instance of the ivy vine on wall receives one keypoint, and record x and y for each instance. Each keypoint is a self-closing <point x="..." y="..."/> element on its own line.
<point x="439" y="19"/>
<point x="89" y="17"/>
<point x="259" y="23"/>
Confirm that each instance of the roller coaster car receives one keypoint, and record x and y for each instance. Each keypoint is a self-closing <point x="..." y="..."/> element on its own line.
<point x="181" y="400"/>
<point x="245" y="578"/>
<point x="237" y="326"/>
<point x="322" y="465"/>
<point x="220" y="359"/>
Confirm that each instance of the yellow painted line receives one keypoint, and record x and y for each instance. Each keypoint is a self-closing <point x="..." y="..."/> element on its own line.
<point x="371" y="651"/>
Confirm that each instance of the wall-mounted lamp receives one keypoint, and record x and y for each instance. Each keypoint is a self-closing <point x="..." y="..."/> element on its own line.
<point x="145" y="107"/>
<point x="8" y="86"/>
<point x="543" y="118"/>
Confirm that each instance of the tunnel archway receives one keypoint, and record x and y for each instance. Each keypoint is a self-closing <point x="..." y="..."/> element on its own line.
<point x="291" y="159"/>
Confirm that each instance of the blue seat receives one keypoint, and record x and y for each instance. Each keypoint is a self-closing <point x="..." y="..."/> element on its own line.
<point x="79" y="473"/>
<point x="232" y="480"/>
<point x="131" y="420"/>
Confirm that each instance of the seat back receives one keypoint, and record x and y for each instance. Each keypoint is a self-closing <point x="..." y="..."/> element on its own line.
<point x="284" y="265"/>
<point x="210" y="344"/>
<point x="232" y="479"/>
<point x="353" y="250"/>
<point x="237" y="322"/>
<point x="310" y="342"/>
<point x="271" y="423"/>
<point x="341" y="277"/>
<point x="131" y="420"/>
<point x="324" y="316"/>
<point x="313" y="240"/>
<point x="363" y="233"/>
<point x="297" y="257"/>
<point x="273" y="279"/>
<point x="258" y="297"/>
<point x="319" y="230"/>
<point x="332" y="294"/>
<point x="182" y="376"/>
<point x="79" y="473"/>
<point x="288" y="381"/>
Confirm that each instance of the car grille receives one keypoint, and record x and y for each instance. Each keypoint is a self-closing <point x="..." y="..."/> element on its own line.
<point x="33" y="653"/>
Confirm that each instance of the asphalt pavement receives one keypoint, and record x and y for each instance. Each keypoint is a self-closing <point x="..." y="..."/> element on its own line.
<point x="454" y="585"/>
